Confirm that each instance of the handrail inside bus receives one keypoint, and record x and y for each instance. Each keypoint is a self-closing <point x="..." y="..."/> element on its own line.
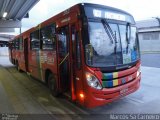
<point x="64" y="58"/>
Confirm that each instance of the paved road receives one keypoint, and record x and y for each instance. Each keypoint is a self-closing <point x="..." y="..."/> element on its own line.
<point x="22" y="94"/>
<point x="151" y="60"/>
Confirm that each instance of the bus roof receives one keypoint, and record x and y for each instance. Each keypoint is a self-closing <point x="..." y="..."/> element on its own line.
<point x="104" y="7"/>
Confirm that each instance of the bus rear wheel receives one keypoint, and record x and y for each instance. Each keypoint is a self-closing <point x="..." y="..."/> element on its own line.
<point x="17" y="67"/>
<point x="53" y="85"/>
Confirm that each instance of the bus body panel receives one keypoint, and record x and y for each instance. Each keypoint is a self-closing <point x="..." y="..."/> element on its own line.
<point x="21" y="61"/>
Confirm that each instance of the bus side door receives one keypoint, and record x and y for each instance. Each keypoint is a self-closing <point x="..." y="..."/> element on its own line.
<point x="76" y="64"/>
<point x="63" y="58"/>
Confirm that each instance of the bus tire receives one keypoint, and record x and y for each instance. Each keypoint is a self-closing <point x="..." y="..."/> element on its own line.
<point x="17" y="67"/>
<point x="52" y="83"/>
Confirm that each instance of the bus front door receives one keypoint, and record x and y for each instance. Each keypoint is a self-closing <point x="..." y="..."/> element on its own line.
<point x="63" y="58"/>
<point x="69" y="61"/>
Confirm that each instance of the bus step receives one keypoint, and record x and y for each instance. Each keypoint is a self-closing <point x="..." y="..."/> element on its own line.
<point x="67" y="94"/>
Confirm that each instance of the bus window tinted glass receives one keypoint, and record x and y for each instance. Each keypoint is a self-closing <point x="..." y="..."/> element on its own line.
<point x="47" y="37"/>
<point x="20" y="43"/>
<point x="35" y="42"/>
<point x="17" y="44"/>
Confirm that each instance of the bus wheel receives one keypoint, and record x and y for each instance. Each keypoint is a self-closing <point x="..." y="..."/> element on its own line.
<point x="17" y="67"/>
<point x="52" y="85"/>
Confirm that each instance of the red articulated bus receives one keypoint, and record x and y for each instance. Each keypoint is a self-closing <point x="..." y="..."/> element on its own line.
<point x="88" y="52"/>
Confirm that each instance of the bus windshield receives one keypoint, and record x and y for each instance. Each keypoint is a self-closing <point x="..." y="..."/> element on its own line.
<point x="117" y="46"/>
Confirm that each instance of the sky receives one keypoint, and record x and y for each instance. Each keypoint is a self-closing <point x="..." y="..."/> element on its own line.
<point x="44" y="9"/>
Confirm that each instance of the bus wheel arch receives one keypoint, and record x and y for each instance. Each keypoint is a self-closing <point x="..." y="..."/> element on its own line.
<point x="51" y="82"/>
<point x="14" y="62"/>
<point x="47" y="72"/>
<point x="17" y="66"/>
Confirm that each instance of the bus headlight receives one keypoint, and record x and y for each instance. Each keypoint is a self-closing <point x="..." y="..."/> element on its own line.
<point x="93" y="81"/>
<point x="138" y="72"/>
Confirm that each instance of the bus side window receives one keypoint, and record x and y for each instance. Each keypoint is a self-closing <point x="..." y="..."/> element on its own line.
<point x="47" y="37"/>
<point x="20" y="43"/>
<point x="13" y="44"/>
<point x="17" y="44"/>
<point x="35" y="42"/>
<point x="78" y="51"/>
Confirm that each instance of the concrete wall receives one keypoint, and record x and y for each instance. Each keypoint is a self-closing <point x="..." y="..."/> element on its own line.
<point x="3" y="51"/>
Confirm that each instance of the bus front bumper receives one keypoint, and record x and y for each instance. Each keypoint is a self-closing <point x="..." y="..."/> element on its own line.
<point x="106" y="95"/>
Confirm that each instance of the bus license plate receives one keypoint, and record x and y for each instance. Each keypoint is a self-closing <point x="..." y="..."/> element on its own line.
<point x="123" y="91"/>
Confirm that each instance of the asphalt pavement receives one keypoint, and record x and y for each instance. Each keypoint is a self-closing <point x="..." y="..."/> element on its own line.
<point x="151" y="60"/>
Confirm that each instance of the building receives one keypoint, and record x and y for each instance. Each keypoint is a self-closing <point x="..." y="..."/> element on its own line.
<point x="149" y="35"/>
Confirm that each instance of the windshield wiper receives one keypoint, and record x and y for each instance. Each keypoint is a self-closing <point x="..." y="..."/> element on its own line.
<point x="111" y="36"/>
<point x="128" y="36"/>
<point x="108" y="30"/>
